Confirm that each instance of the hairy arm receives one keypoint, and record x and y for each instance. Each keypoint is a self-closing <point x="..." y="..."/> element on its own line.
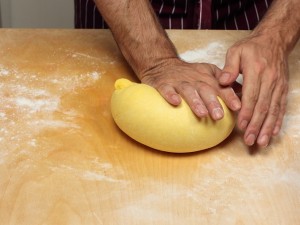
<point x="137" y="32"/>
<point x="281" y="23"/>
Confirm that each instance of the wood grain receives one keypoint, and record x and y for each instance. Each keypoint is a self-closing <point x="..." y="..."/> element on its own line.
<point x="64" y="161"/>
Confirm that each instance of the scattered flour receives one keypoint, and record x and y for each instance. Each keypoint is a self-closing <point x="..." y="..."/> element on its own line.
<point x="31" y="104"/>
<point x="75" y="81"/>
<point x="212" y="195"/>
<point x="291" y="126"/>
<point x="83" y="56"/>
<point x="292" y="118"/>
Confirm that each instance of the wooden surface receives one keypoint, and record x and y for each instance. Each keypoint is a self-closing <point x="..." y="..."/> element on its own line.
<point x="63" y="161"/>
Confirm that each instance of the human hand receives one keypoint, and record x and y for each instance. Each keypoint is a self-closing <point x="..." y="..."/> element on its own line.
<point x="263" y="63"/>
<point x="195" y="82"/>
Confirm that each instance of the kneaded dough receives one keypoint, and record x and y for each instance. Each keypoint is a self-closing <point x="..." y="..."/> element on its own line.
<point x="144" y="115"/>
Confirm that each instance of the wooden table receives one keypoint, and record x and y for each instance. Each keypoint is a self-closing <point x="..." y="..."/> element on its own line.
<point x="63" y="160"/>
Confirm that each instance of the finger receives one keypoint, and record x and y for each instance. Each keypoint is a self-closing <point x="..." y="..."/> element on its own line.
<point x="229" y="96"/>
<point x="231" y="99"/>
<point x="270" y="121"/>
<point x="283" y="105"/>
<point x="250" y="94"/>
<point x="231" y="69"/>
<point x="261" y="112"/>
<point x="191" y="96"/>
<point x="169" y="94"/>
<point x="209" y="97"/>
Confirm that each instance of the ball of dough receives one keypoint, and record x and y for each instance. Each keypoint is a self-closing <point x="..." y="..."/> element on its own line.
<point x="144" y="115"/>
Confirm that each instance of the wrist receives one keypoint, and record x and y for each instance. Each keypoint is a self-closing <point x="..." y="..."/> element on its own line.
<point x="159" y="66"/>
<point x="274" y="39"/>
<point x="147" y="55"/>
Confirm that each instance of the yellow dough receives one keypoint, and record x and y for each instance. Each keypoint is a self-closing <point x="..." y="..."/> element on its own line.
<point x="144" y="115"/>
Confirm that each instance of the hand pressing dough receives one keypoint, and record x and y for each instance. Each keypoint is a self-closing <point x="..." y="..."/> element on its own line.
<point x="144" y="115"/>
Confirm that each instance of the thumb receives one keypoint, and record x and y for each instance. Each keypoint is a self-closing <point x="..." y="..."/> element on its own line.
<point x="231" y="69"/>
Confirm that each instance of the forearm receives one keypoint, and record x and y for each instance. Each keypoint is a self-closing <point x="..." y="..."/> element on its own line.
<point x="281" y="23"/>
<point x="137" y="32"/>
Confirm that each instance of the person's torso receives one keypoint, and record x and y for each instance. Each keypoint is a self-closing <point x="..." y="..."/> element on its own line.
<point x="187" y="14"/>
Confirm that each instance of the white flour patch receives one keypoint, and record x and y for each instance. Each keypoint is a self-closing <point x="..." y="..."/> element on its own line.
<point x="95" y="75"/>
<point x="2" y="116"/>
<point x="35" y="105"/>
<point x="31" y="104"/>
<point x="83" y="56"/>
<point x="32" y="142"/>
<point x="292" y="118"/>
<point x="4" y="72"/>
<point x="214" y="53"/>
<point x="144" y="209"/>
<point x="57" y="124"/>
<point x="96" y="176"/>
<point x="295" y="92"/>
<point x="100" y="171"/>
<point x="3" y="155"/>
<point x="7" y="72"/>
<point x="74" y="82"/>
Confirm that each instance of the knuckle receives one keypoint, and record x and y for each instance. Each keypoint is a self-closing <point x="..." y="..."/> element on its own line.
<point x="263" y="109"/>
<point x="202" y="85"/>
<point x="260" y="65"/>
<point x="184" y="86"/>
<point x="285" y="89"/>
<point x="161" y="86"/>
<point x="245" y="115"/>
<point x="232" y="50"/>
<point x="252" y="97"/>
<point x="275" y="110"/>
<point x="253" y="128"/>
<point x="256" y="124"/>
<point x="273" y="75"/>
<point x="230" y="94"/>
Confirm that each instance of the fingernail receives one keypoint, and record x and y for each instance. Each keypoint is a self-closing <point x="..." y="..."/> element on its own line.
<point x="200" y="111"/>
<point x="243" y="124"/>
<point x="218" y="113"/>
<point x="175" y="99"/>
<point x="224" y="77"/>
<point x="263" y="141"/>
<point x="250" y="139"/>
<point x="236" y="105"/>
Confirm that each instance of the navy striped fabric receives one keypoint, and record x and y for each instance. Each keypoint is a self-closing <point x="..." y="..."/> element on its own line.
<point x="187" y="14"/>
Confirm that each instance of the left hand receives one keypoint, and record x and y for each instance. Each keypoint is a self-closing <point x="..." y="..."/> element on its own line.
<point x="263" y="63"/>
<point x="194" y="82"/>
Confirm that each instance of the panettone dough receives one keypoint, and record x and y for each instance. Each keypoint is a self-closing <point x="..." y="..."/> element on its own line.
<point x="144" y="115"/>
